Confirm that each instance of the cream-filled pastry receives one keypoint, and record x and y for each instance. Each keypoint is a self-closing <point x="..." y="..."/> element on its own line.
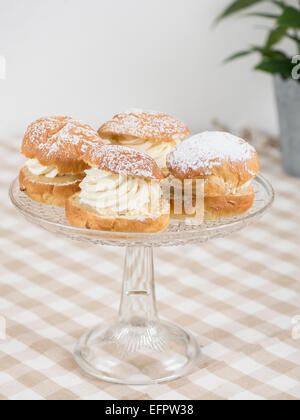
<point x="225" y="164"/>
<point x="150" y="132"/>
<point x="158" y="151"/>
<point x="37" y="169"/>
<point x="121" y="193"/>
<point x="55" y="168"/>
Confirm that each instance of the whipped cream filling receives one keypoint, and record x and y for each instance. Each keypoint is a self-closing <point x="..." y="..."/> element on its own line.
<point x="158" y="151"/>
<point x="36" y="168"/>
<point x="113" y="194"/>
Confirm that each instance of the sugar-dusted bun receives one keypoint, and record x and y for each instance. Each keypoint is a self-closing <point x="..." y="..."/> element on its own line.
<point x="45" y="190"/>
<point x="86" y="217"/>
<point x="145" y="125"/>
<point x="59" y="142"/>
<point x="223" y="206"/>
<point x="120" y="193"/>
<point x="122" y="160"/>
<point x="224" y="161"/>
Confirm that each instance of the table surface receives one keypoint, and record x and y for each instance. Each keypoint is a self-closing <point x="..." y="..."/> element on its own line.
<point x="239" y="295"/>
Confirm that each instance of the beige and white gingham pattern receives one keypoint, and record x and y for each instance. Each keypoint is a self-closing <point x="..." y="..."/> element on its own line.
<point x="239" y="295"/>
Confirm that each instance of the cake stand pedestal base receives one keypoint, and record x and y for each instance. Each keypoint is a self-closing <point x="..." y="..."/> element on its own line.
<point x="138" y="349"/>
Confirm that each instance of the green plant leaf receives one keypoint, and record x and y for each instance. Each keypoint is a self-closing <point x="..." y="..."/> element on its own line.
<point x="237" y="6"/>
<point x="239" y="54"/>
<point x="263" y="15"/>
<point x="270" y="53"/>
<point x="290" y="18"/>
<point x="276" y="66"/>
<point x="265" y="52"/>
<point x="275" y="36"/>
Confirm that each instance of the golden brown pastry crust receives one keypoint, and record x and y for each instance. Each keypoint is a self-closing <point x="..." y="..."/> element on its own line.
<point x="83" y="216"/>
<point x="228" y="206"/>
<point x="145" y="125"/>
<point x="220" y="207"/>
<point x="123" y="160"/>
<point x="53" y="192"/>
<point x="224" y="168"/>
<point x="230" y="174"/>
<point x="59" y="142"/>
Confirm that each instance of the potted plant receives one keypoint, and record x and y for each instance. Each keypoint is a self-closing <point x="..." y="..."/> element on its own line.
<point x="284" y="23"/>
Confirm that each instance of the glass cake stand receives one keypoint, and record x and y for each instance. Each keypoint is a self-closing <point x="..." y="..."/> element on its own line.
<point x="138" y="348"/>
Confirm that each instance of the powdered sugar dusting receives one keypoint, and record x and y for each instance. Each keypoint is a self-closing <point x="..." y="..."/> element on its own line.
<point x="74" y="134"/>
<point x="147" y="125"/>
<point x="209" y="150"/>
<point x="58" y="138"/>
<point x="123" y="160"/>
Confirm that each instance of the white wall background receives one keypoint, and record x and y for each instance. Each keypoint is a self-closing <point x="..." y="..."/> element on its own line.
<point x="93" y="58"/>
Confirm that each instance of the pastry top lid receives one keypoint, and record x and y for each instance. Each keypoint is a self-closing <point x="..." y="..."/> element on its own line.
<point x="59" y="141"/>
<point x="123" y="160"/>
<point x="209" y="153"/>
<point x="146" y="125"/>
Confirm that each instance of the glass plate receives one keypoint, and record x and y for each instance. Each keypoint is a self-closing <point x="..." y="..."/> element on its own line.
<point x="179" y="233"/>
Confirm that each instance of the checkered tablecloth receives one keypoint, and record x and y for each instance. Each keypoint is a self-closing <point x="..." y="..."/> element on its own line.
<point x="239" y="295"/>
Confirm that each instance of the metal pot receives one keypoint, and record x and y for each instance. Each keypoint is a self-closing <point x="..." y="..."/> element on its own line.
<point x="288" y="101"/>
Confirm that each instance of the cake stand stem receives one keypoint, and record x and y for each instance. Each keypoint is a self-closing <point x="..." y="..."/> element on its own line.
<point x="138" y="303"/>
<point x="138" y="349"/>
